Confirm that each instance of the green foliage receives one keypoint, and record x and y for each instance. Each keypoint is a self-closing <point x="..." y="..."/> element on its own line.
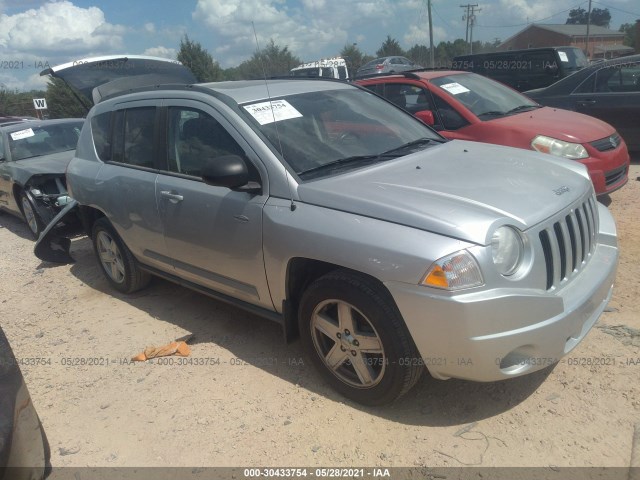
<point x="198" y="59"/>
<point x="629" y="30"/>
<point x="390" y="47"/>
<point x="271" y="61"/>
<point x="18" y="104"/>
<point x="354" y="58"/>
<point x="599" y="16"/>
<point x="62" y="103"/>
<point x="419" y="54"/>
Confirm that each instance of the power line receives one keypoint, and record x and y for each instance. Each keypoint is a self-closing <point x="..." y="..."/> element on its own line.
<point x="534" y="21"/>
<point x="470" y="17"/>
<point x="618" y="9"/>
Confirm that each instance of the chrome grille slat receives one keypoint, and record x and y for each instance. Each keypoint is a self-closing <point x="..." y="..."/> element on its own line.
<point x="568" y="250"/>
<point x="567" y="243"/>
<point x="578" y="241"/>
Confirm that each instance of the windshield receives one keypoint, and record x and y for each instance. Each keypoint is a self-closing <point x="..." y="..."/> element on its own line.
<point x="573" y="59"/>
<point x="36" y="141"/>
<point x="485" y="98"/>
<point x="318" y="133"/>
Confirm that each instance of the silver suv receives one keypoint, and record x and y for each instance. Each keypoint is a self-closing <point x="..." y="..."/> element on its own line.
<point x="323" y="207"/>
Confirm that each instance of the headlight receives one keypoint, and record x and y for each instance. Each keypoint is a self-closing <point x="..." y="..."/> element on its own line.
<point x="507" y="250"/>
<point x="559" y="148"/>
<point x="454" y="272"/>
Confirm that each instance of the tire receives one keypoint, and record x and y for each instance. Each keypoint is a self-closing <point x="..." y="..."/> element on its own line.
<point x="116" y="261"/>
<point x="368" y="329"/>
<point x="30" y="215"/>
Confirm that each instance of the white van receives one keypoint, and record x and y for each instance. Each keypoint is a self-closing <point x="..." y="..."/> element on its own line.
<point x="327" y="67"/>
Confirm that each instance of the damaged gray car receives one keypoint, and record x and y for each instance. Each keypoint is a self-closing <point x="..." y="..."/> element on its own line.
<point x="33" y="159"/>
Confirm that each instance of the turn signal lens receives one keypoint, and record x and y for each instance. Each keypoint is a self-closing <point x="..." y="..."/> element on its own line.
<point x="454" y="272"/>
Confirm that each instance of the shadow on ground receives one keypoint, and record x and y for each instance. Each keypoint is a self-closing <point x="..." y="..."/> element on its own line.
<point x="260" y="343"/>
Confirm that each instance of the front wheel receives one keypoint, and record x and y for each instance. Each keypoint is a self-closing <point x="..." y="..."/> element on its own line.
<point x="357" y="339"/>
<point x="117" y="262"/>
<point x="30" y="215"/>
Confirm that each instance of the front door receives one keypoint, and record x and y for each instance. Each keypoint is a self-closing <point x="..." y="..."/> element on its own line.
<point x="213" y="235"/>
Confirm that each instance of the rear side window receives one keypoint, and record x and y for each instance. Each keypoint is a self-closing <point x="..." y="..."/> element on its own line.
<point x="133" y="136"/>
<point x="342" y="73"/>
<point x="101" y="133"/>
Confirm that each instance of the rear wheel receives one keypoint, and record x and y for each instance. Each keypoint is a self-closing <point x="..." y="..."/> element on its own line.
<point x="118" y="264"/>
<point x="30" y="215"/>
<point x="355" y="336"/>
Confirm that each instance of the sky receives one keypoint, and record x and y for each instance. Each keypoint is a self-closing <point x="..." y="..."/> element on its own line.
<point x="35" y="34"/>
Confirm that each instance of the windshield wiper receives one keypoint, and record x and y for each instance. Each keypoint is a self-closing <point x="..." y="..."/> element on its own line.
<point x="364" y="159"/>
<point x="492" y="113"/>
<point x="523" y="107"/>
<point x="395" y="152"/>
<point x="354" y="160"/>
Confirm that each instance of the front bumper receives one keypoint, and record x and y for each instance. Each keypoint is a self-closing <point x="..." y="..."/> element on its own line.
<point x="464" y="335"/>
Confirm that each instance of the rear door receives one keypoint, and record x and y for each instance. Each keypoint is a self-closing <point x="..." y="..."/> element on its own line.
<point x="125" y="185"/>
<point x="213" y="235"/>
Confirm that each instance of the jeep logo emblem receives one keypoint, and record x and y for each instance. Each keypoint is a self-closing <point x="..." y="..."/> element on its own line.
<point x="561" y="190"/>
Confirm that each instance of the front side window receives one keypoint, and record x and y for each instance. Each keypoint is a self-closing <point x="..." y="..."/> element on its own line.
<point x="195" y="138"/>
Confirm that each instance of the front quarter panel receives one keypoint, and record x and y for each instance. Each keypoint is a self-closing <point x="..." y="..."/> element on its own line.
<point x="384" y="250"/>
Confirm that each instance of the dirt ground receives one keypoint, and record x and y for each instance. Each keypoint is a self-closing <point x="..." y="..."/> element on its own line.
<point x="252" y="400"/>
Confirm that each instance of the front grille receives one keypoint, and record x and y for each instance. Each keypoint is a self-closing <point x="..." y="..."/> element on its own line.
<point x="614" y="176"/>
<point x="568" y="243"/>
<point x="607" y="143"/>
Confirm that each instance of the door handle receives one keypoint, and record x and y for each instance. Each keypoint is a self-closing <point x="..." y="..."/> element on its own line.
<point x="585" y="103"/>
<point x="173" y="197"/>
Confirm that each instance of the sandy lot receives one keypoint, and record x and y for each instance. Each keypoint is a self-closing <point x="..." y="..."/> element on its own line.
<point x="252" y="400"/>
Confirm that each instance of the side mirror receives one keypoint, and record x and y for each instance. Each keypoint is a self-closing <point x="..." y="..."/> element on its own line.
<point x="226" y="171"/>
<point x="426" y="116"/>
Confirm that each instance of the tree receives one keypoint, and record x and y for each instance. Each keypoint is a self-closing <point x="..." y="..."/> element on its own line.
<point x="390" y="47"/>
<point x="353" y="56"/>
<point x="201" y="63"/>
<point x="270" y="61"/>
<point x="629" y="30"/>
<point x="15" y="103"/>
<point x="62" y="103"/>
<point x="419" y="54"/>
<point x="599" y="16"/>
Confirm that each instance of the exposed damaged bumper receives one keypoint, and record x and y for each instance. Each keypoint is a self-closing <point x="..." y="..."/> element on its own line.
<point x="53" y="245"/>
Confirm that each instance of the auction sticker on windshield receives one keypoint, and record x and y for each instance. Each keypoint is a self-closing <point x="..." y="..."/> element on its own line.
<point x="563" y="56"/>
<point x="273" y="111"/>
<point x="455" y="88"/>
<point x="22" y="134"/>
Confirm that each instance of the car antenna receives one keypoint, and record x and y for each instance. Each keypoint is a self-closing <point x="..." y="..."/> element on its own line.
<point x="275" y="123"/>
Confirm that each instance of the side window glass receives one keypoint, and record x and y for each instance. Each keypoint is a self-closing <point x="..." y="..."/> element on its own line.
<point x="133" y="136"/>
<point x="327" y="72"/>
<point x="587" y="86"/>
<point x="101" y="133"/>
<point x="342" y="73"/>
<point x="377" y="88"/>
<point x="394" y="92"/>
<point x="625" y="79"/>
<point x="417" y="98"/>
<point x="195" y="138"/>
<point x="451" y="119"/>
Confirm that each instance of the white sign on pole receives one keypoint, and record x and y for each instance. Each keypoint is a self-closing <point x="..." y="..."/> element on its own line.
<point x="40" y="103"/>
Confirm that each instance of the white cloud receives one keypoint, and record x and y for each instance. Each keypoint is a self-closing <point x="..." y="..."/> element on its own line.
<point x="59" y="27"/>
<point x="161" y="51"/>
<point x="418" y="34"/>
<point x="149" y="27"/>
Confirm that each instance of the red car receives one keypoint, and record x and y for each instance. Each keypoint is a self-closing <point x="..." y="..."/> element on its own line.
<point x="462" y="105"/>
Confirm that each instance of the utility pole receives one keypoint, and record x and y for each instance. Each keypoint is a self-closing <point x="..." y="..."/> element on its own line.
<point x="588" y="22"/>
<point x="470" y="17"/>
<point x="431" y="50"/>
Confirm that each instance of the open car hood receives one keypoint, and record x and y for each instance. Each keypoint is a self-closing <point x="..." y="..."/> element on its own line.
<point x="98" y="77"/>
